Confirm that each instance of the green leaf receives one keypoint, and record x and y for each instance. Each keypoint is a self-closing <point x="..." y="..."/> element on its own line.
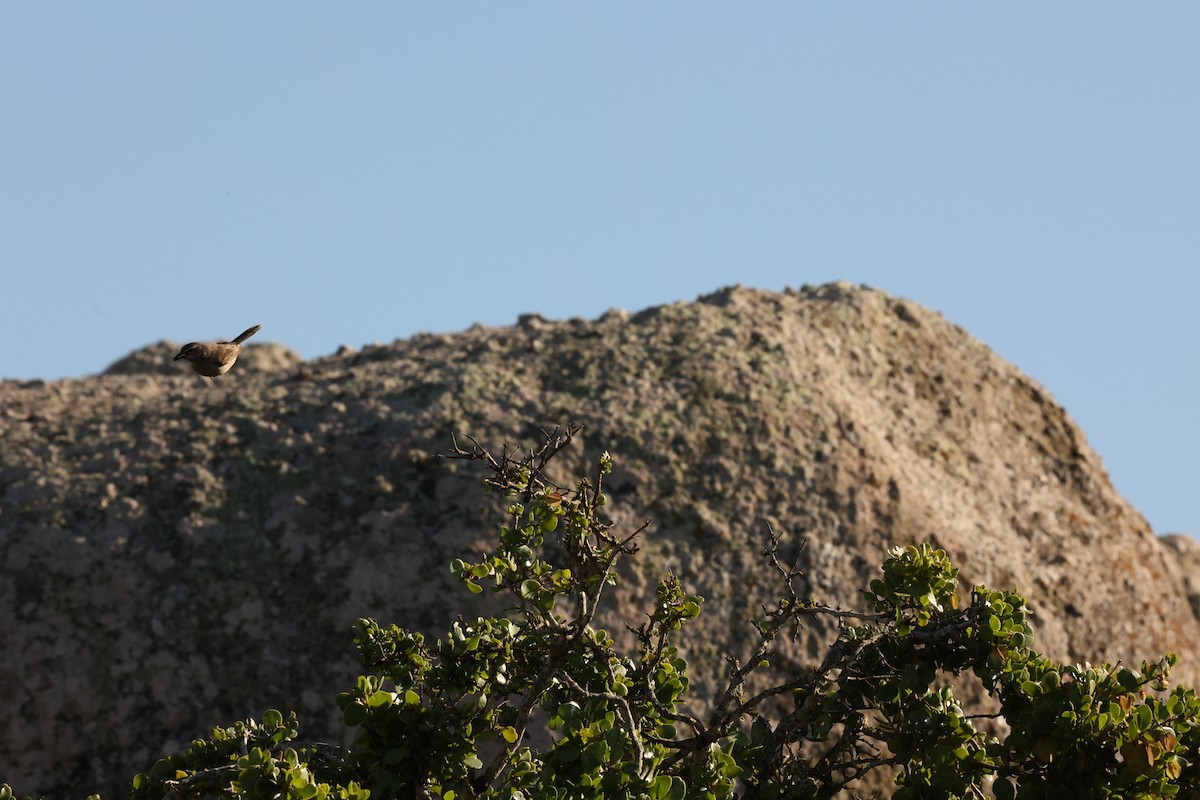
<point x="759" y="732"/>
<point x="355" y="714"/>
<point x="509" y="733"/>
<point x="1144" y="717"/>
<point x="1128" y="679"/>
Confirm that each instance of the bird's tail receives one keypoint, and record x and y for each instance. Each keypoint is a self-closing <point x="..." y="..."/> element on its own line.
<point x="246" y="334"/>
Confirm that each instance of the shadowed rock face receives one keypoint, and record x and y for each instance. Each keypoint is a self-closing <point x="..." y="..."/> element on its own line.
<point x="1183" y="554"/>
<point x="179" y="553"/>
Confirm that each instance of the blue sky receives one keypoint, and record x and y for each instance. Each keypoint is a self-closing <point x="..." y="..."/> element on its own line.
<point x="351" y="173"/>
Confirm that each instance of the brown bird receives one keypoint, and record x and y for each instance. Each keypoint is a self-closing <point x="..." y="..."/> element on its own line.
<point x="213" y="359"/>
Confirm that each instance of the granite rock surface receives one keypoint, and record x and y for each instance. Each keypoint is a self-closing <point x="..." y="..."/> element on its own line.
<point x="180" y="553"/>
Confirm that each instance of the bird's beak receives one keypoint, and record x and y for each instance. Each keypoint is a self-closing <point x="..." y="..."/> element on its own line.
<point x="176" y="358"/>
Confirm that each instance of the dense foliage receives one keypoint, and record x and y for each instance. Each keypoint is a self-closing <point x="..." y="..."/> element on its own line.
<point x="540" y="703"/>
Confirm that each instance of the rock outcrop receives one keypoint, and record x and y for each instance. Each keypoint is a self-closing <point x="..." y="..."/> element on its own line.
<point x="180" y="553"/>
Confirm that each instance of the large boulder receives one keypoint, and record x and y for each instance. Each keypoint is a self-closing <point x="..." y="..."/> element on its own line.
<point x="180" y="553"/>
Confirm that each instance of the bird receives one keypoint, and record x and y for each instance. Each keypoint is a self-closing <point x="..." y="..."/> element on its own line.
<point x="215" y="358"/>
